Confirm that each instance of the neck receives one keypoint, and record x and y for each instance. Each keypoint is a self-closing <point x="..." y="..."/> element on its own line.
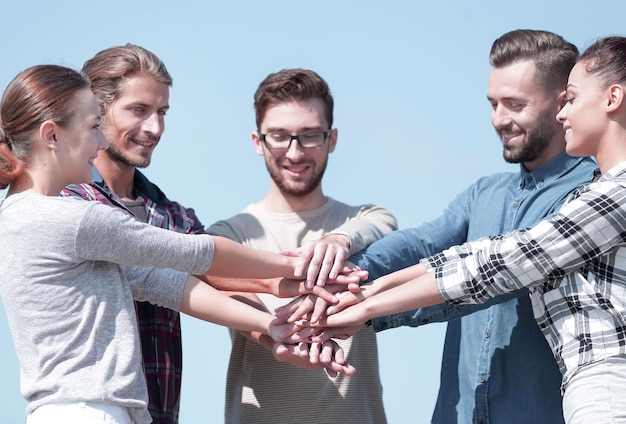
<point x="552" y="151"/>
<point x="279" y="202"/>
<point x="119" y="177"/>
<point x="39" y="178"/>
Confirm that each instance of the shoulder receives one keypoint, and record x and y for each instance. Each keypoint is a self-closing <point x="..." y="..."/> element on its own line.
<point x="336" y="205"/>
<point x="236" y="227"/>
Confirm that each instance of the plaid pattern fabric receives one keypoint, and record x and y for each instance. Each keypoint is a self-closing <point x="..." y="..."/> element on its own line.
<point x="159" y="328"/>
<point x="573" y="263"/>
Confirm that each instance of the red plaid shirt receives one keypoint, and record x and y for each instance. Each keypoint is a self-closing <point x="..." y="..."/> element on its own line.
<point x="159" y="328"/>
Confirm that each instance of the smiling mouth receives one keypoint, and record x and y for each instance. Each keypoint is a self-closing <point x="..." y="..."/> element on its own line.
<point x="296" y="169"/>
<point x="507" y="137"/>
<point x="146" y="144"/>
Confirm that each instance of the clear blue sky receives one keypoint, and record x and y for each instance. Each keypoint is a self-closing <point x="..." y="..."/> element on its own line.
<point x="409" y="80"/>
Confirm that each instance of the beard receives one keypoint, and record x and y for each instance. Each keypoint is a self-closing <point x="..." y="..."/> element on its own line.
<point x="536" y="142"/>
<point x="123" y="157"/>
<point x="297" y="188"/>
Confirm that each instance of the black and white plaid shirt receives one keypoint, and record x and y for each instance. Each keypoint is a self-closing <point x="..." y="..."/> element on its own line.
<point x="573" y="263"/>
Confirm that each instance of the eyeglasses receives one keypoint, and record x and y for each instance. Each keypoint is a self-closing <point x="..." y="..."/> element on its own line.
<point x="305" y="140"/>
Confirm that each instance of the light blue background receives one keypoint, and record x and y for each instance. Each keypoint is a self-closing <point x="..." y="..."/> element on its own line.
<point x="409" y="80"/>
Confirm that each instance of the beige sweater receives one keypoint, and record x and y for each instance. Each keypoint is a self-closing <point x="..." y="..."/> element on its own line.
<point x="260" y="389"/>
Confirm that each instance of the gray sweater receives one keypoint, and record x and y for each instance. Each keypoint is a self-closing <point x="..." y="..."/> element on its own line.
<point x="69" y="304"/>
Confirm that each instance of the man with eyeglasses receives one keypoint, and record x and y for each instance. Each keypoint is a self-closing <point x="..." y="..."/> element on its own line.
<point x="294" y="116"/>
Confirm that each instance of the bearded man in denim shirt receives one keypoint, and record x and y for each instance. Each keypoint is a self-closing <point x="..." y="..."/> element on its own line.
<point x="497" y="366"/>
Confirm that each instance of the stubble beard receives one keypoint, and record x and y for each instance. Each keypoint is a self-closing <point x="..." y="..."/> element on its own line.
<point x="123" y="158"/>
<point x="299" y="189"/>
<point x="537" y="141"/>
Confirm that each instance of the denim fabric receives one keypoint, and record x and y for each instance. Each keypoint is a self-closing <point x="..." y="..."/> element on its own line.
<point x="496" y="366"/>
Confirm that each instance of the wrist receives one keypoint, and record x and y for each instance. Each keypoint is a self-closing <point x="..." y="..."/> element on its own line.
<point x="341" y="239"/>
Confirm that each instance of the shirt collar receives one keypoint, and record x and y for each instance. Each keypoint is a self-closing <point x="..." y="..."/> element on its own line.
<point x="143" y="187"/>
<point x="618" y="171"/>
<point x="547" y="172"/>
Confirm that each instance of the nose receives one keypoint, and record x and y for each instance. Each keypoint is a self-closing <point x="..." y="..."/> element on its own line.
<point x="562" y="115"/>
<point x="103" y="143"/>
<point x="500" y="116"/>
<point x="155" y="124"/>
<point x="294" y="151"/>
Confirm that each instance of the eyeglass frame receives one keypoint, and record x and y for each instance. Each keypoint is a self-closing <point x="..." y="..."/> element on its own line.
<point x="296" y="137"/>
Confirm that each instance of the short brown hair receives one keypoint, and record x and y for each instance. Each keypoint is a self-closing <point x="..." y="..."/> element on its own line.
<point x="553" y="57"/>
<point x="289" y="85"/>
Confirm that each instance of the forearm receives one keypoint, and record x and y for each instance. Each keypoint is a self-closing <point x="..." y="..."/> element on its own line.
<point x="204" y="302"/>
<point x="438" y="313"/>
<point x="416" y="293"/>
<point x="250" y="285"/>
<point x="394" y="279"/>
<point x="253" y="300"/>
<point x="234" y="260"/>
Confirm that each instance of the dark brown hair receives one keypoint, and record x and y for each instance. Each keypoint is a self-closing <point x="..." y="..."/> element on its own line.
<point x="553" y="57"/>
<point x="289" y="85"/>
<point x="606" y="59"/>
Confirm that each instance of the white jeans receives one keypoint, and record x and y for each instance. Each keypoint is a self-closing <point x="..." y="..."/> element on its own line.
<point x="595" y="394"/>
<point x="79" y="413"/>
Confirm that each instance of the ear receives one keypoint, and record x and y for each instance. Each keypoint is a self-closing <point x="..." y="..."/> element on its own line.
<point x="332" y="142"/>
<point x="615" y="97"/>
<point x="257" y="143"/>
<point x="47" y="134"/>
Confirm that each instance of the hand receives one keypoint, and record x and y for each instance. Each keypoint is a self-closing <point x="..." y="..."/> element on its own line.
<point x="328" y="356"/>
<point x="323" y="259"/>
<point x="350" y="317"/>
<point x="288" y="332"/>
<point x="310" y="306"/>
<point x="288" y="288"/>
<point x="349" y="298"/>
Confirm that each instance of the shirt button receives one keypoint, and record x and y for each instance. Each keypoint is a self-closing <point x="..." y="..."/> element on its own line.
<point x="515" y="204"/>
<point x="487" y="334"/>
<point x="482" y="378"/>
<point x="540" y="184"/>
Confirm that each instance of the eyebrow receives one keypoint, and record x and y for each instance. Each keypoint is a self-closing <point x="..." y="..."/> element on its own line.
<point x="283" y="130"/>
<point x="146" y="105"/>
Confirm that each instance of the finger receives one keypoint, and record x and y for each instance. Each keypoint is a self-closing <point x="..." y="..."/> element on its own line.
<point x="340" y="356"/>
<point x="306" y="306"/>
<point x="354" y="288"/>
<point x="319" y="309"/>
<point x="326" y="265"/>
<point x="314" y="353"/>
<point x="303" y="350"/>
<point x="346" y="369"/>
<point x="315" y="264"/>
<point x="345" y="300"/>
<point x="338" y="263"/>
<point x="326" y="355"/>
<point x="324" y="294"/>
<point x="302" y="263"/>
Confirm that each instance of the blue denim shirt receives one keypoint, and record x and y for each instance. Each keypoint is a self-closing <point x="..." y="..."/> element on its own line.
<point x="497" y="366"/>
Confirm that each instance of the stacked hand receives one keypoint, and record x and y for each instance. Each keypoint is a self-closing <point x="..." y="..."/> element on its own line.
<point x="328" y="276"/>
